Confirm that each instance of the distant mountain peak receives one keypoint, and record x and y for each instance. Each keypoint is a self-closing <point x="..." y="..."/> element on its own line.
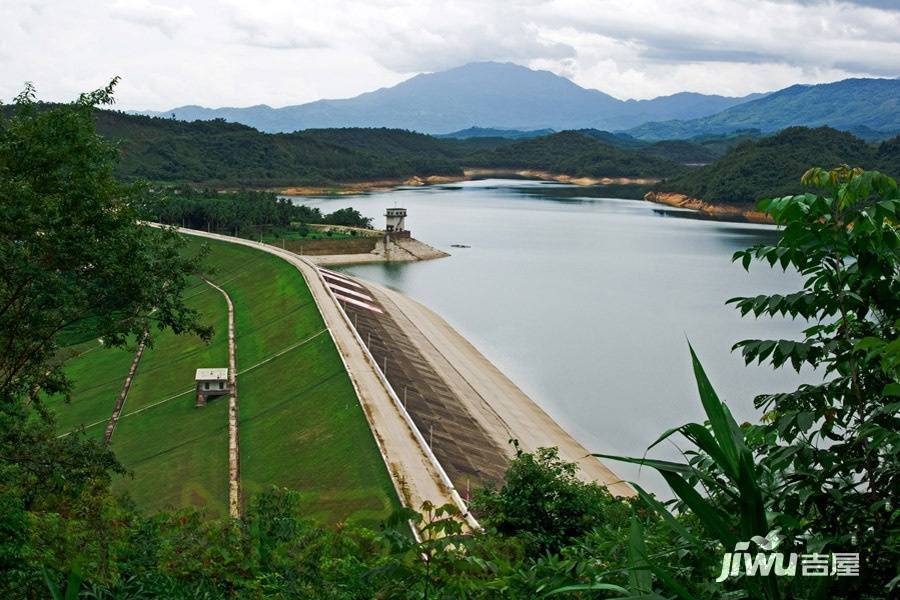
<point x="492" y="94"/>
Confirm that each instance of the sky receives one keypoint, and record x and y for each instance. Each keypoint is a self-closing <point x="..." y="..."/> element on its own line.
<point x="283" y="52"/>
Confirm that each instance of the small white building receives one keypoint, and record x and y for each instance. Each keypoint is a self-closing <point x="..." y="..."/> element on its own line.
<point x="395" y="220"/>
<point x="211" y="383"/>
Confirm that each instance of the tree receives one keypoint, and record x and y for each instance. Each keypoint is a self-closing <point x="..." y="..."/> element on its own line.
<point x="543" y="501"/>
<point x="836" y="444"/>
<point x="73" y="253"/>
<point x="822" y="468"/>
<point x="75" y="263"/>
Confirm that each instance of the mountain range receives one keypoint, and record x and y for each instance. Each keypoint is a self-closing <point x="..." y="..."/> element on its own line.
<point x="484" y="94"/>
<point x="869" y="108"/>
<point x="508" y="100"/>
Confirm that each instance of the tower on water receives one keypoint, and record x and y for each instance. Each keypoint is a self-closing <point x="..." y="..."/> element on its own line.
<point x="395" y="220"/>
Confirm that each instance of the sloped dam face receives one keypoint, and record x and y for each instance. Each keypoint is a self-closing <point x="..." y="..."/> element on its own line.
<point x="588" y="303"/>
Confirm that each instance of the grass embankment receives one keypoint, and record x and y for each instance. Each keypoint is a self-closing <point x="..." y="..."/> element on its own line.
<point x="301" y="425"/>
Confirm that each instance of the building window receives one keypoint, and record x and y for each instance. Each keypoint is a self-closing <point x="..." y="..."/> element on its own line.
<point x="221" y="385"/>
<point x="205" y="385"/>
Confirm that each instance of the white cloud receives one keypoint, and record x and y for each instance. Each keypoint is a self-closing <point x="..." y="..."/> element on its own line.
<point x="282" y="52"/>
<point x="167" y="19"/>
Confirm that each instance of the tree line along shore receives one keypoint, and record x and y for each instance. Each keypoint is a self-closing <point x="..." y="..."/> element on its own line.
<point x="734" y="169"/>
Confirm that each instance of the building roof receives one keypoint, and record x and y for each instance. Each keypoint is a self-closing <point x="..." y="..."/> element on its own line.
<point x="212" y="375"/>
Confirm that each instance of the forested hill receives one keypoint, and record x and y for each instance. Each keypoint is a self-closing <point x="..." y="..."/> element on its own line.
<point x="220" y="153"/>
<point x="575" y="154"/>
<point x="227" y="154"/>
<point x="772" y="166"/>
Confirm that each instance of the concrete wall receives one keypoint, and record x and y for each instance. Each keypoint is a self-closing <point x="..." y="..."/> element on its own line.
<point x="359" y="245"/>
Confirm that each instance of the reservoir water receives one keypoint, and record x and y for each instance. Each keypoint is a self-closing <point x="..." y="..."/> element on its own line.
<point x="588" y="303"/>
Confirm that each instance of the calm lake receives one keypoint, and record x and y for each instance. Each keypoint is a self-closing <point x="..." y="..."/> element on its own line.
<point x="588" y="303"/>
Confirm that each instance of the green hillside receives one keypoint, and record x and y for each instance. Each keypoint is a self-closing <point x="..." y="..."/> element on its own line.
<point x="681" y="151"/>
<point x="220" y="153"/>
<point x="226" y="154"/>
<point x="887" y="156"/>
<point x="619" y="140"/>
<point x="773" y="166"/>
<point x="574" y="154"/>
<point x="301" y="425"/>
<point x="741" y="167"/>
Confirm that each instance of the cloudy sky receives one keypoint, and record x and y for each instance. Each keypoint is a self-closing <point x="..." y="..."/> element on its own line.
<point x="280" y="52"/>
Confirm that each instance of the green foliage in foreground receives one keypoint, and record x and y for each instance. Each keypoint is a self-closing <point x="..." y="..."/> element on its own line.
<point x="275" y="551"/>
<point x="71" y="248"/>
<point x="821" y="469"/>
<point x="543" y="502"/>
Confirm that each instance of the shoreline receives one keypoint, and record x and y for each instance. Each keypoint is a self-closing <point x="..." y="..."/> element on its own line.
<point x="361" y="187"/>
<point x="492" y="400"/>
<point x="474" y="173"/>
<point x="469" y="174"/>
<point x="724" y="212"/>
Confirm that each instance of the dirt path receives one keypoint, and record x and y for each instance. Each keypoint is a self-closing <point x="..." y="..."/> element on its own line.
<point x="123" y="395"/>
<point x="411" y="471"/>
<point x="234" y="456"/>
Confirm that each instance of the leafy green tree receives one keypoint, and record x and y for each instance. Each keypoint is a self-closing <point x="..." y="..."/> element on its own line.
<point x="75" y="260"/>
<point x="836" y="444"/>
<point x="73" y="251"/>
<point x="542" y="501"/>
<point x="347" y="216"/>
<point x="822" y="468"/>
<point x="244" y="213"/>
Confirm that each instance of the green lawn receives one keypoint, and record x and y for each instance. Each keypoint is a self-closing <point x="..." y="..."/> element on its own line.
<point x="98" y="374"/>
<point x="301" y="425"/>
